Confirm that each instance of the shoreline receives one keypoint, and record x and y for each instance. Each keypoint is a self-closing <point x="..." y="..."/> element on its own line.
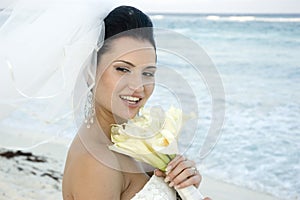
<point x="23" y="177"/>
<point x="228" y="191"/>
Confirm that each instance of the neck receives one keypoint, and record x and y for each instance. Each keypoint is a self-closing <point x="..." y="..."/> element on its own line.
<point x="106" y="119"/>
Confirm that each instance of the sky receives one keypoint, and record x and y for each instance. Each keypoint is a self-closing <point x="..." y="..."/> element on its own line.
<point x="209" y="6"/>
<point x="217" y="6"/>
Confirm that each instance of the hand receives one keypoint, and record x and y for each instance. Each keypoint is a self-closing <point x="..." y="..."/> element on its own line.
<point x="181" y="173"/>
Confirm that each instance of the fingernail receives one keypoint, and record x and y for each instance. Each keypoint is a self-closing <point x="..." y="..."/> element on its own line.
<point x="177" y="187"/>
<point x="167" y="179"/>
<point x="171" y="184"/>
<point x="168" y="169"/>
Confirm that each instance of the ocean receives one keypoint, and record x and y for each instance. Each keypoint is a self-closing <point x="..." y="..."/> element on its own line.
<point x="258" y="60"/>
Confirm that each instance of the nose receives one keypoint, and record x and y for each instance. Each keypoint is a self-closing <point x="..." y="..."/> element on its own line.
<point x="136" y="83"/>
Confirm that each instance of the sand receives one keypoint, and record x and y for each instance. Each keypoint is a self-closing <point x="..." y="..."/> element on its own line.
<point x="37" y="173"/>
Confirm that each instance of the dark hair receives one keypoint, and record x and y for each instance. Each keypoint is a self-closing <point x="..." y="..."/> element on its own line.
<point x="121" y="20"/>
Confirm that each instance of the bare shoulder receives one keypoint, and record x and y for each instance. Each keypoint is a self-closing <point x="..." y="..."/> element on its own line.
<point x="87" y="178"/>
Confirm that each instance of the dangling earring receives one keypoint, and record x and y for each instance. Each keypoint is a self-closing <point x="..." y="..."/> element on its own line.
<point x="89" y="110"/>
<point x="139" y="112"/>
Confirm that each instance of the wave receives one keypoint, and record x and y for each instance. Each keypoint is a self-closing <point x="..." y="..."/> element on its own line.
<point x="252" y="18"/>
<point x="157" y="17"/>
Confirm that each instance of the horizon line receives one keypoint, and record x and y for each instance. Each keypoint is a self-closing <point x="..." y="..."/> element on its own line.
<point x="219" y="13"/>
<point x="169" y="12"/>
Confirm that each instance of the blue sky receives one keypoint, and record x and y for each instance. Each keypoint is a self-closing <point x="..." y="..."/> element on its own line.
<point x="217" y="6"/>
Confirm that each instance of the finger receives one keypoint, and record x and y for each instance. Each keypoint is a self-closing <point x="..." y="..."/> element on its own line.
<point x="194" y="180"/>
<point x="187" y="177"/>
<point x="159" y="173"/>
<point x="174" y="162"/>
<point x="179" y="168"/>
<point x="183" y="175"/>
<point x="207" y="198"/>
<point x="196" y="173"/>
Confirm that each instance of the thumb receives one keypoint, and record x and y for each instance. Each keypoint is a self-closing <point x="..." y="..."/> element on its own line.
<point x="159" y="173"/>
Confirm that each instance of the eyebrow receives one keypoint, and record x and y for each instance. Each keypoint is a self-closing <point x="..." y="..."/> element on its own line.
<point x="129" y="63"/>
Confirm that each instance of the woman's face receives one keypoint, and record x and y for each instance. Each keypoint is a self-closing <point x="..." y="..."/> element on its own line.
<point x="125" y="77"/>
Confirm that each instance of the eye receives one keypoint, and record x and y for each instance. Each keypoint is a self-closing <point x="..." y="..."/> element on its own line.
<point x="122" y="69"/>
<point x="149" y="74"/>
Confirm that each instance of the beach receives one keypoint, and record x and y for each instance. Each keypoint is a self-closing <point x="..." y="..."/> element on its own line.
<point x="37" y="174"/>
<point x="31" y="173"/>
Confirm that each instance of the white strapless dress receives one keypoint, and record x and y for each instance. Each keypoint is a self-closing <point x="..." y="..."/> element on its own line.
<point x="156" y="189"/>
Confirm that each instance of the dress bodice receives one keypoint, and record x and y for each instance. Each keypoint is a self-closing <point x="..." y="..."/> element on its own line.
<point x="156" y="189"/>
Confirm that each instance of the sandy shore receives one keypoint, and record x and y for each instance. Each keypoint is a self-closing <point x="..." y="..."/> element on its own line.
<point x="34" y="173"/>
<point x="37" y="174"/>
<point x="218" y="190"/>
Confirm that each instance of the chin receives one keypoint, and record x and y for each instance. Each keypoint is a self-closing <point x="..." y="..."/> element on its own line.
<point x="124" y="116"/>
<point x="131" y="114"/>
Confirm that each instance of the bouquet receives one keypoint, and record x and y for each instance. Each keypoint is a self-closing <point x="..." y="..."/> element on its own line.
<point x="152" y="138"/>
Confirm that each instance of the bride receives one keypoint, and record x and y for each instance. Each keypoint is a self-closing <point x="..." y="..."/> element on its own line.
<point x="126" y="66"/>
<point x="60" y="38"/>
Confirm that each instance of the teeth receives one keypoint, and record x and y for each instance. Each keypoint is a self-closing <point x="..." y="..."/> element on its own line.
<point x="130" y="98"/>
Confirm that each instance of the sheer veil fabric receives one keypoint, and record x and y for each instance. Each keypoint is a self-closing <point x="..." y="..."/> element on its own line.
<point x="46" y="48"/>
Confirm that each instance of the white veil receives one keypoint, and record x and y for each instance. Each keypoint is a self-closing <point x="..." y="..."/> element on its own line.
<point x="48" y="48"/>
<point x="44" y="46"/>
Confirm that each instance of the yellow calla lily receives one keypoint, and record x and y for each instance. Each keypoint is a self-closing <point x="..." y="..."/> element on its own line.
<point x="151" y="137"/>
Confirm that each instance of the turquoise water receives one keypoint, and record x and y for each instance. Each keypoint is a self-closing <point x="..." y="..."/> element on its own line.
<point x="258" y="57"/>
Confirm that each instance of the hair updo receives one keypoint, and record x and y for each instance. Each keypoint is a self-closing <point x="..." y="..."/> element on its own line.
<point x="121" y="21"/>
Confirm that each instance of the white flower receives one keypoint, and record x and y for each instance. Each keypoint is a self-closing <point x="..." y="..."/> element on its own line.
<point x="151" y="137"/>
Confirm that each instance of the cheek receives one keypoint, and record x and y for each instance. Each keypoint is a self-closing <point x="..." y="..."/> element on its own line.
<point x="149" y="88"/>
<point x="105" y="87"/>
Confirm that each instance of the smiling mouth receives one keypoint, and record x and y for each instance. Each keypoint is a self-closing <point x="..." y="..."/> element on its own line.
<point x="130" y="99"/>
